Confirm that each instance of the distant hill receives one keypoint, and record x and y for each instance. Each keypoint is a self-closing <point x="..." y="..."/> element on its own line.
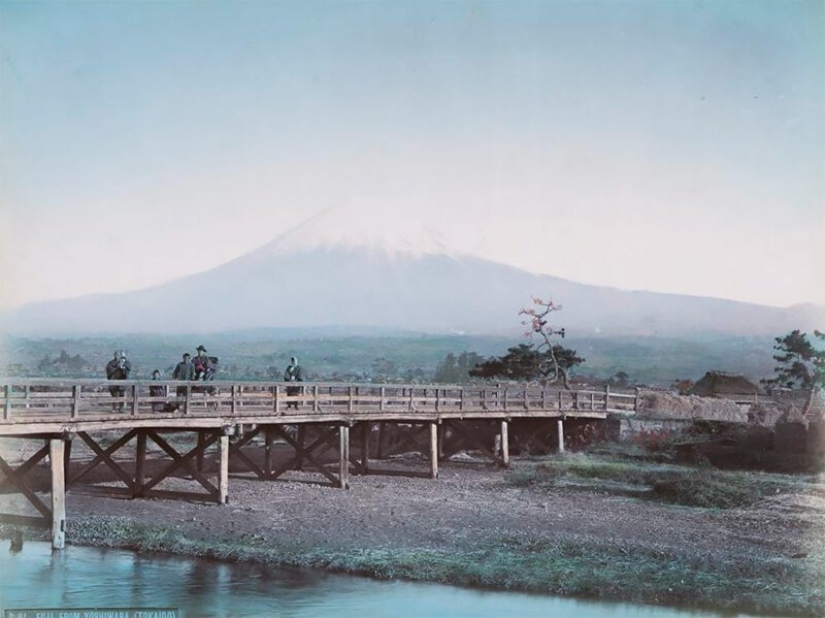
<point x="337" y="273"/>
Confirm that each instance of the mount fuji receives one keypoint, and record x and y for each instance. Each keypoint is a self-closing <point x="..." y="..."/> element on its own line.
<point x="366" y="267"/>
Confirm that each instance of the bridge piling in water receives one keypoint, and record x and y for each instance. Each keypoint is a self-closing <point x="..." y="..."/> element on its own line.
<point x="57" y="463"/>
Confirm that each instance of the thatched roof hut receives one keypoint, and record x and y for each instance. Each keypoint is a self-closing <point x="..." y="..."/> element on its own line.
<point x="721" y="384"/>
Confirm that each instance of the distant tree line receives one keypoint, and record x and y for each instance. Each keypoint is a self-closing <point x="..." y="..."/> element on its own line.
<point x="64" y="364"/>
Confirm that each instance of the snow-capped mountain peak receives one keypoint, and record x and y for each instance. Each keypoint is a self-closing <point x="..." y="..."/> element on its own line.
<point x="371" y="226"/>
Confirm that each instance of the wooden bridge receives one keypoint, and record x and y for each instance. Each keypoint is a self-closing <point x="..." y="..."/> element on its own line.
<point x="225" y="419"/>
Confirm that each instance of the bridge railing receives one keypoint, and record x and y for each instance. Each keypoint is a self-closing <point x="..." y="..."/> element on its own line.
<point x="26" y="399"/>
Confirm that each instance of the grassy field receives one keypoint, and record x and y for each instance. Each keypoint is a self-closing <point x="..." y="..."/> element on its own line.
<point x="704" y="486"/>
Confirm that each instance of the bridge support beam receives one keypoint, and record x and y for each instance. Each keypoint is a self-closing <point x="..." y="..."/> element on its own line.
<point x="433" y="450"/>
<point x="343" y="452"/>
<point x="268" y="451"/>
<point x="505" y="443"/>
<point x="366" y="431"/>
<point x="140" y="464"/>
<point x="301" y="436"/>
<point x="199" y="457"/>
<point x="560" y="427"/>
<point x="223" y="479"/>
<point x="57" y="449"/>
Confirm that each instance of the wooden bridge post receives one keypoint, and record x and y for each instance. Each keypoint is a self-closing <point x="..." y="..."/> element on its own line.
<point x="268" y="451"/>
<point x="433" y="450"/>
<point x="560" y="427"/>
<point x="380" y="450"/>
<point x="223" y="478"/>
<point x="134" y="399"/>
<point x="343" y="452"/>
<point x="505" y="444"/>
<point x="606" y="397"/>
<point x="199" y="456"/>
<point x="67" y="454"/>
<point x="140" y="463"/>
<point x="366" y="430"/>
<point x="301" y="439"/>
<point x="7" y="405"/>
<point x="75" y="401"/>
<point x="56" y="458"/>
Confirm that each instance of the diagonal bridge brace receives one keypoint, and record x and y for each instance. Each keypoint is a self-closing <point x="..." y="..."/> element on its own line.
<point x="325" y="441"/>
<point x="465" y="434"/>
<point x="181" y="461"/>
<point x="16" y="477"/>
<point x="105" y="456"/>
<point x="407" y="438"/>
<point x="235" y="449"/>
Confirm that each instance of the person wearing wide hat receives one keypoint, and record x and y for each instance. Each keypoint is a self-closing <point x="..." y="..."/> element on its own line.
<point x="205" y="366"/>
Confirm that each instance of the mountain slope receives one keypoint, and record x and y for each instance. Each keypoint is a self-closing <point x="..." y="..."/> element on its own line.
<point x="351" y="268"/>
<point x="358" y="288"/>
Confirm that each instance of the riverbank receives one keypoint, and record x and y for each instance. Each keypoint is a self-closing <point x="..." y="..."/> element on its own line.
<point x="478" y="525"/>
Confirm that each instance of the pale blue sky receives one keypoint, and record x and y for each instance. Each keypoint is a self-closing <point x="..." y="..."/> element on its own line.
<point x="668" y="146"/>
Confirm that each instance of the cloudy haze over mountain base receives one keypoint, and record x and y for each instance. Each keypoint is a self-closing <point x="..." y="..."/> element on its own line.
<point x="339" y="269"/>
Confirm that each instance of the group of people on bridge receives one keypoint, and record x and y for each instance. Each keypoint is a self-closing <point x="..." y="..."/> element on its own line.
<point x="200" y="368"/>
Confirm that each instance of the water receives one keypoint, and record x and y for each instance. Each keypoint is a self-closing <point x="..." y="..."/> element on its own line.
<point x="81" y="577"/>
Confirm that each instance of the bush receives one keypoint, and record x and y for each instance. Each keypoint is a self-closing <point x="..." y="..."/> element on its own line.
<point x="688" y="486"/>
<point x="654" y="440"/>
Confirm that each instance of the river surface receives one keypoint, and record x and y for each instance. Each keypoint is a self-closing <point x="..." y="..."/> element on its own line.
<point x="81" y="577"/>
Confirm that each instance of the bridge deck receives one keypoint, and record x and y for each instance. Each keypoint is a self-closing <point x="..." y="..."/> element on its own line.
<point x="33" y="407"/>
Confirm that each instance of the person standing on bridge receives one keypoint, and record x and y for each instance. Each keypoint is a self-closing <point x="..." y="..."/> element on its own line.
<point x="205" y="369"/>
<point x="156" y="391"/>
<point x="205" y="366"/>
<point x="293" y="373"/>
<point x="184" y="370"/>
<point x="118" y="369"/>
